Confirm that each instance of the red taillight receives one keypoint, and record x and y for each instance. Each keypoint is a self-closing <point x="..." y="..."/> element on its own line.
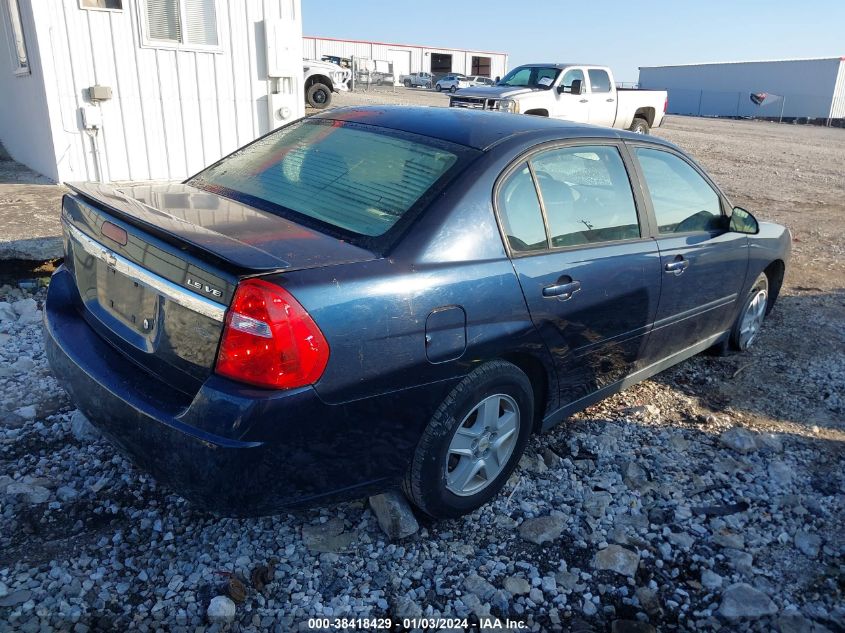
<point x="665" y="105"/>
<point x="269" y="340"/>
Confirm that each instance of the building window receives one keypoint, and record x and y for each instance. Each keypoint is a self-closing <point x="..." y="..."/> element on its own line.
<point x="17" y="43"/>
<point x="190" y="23"/>
<point x="481" y="66"/>
<point x="109" y="5"/>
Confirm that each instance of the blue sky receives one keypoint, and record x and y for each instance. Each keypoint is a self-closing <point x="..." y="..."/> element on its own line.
<point x="601" y="32"/>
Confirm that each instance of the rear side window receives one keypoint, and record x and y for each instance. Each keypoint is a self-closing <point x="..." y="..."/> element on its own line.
<point x="520" y="212"/>
<point x="599" y="80"/>
<point x="586" y="194"/>
<point x="359" y="179"/>
<point x="683" y="201"/>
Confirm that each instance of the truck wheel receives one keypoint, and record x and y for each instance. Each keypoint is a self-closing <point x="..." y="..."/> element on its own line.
<point x="407" y="83"/>
<point x="318" y="96"/>
<point x="473" y="442"/>
<point x="639" y="126"/>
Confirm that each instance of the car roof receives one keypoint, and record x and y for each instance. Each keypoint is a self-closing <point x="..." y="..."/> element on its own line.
<point x="479" y="129"/>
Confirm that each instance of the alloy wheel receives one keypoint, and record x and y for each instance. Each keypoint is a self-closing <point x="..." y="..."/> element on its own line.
<point x="482" y="445"/>
<point x="752" y="319"/>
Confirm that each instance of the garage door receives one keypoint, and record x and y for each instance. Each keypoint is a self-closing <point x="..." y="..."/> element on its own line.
<point x="401" y="62"/>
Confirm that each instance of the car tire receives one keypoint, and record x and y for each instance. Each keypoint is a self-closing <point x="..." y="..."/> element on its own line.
<point x="639" y="126"/>
<point x="438" y="87"/>
<point x="751" y="315"/>
<point x="443" y="480"/>
<point x="453" y="89"/>
<point x="318" y="96"/>
<point x="407" y="83"/>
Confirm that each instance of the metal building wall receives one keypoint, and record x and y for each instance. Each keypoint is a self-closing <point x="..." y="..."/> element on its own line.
<point x="173" y="110"/>
<point x="420" y="56"/>
<point x="804" y="88"/>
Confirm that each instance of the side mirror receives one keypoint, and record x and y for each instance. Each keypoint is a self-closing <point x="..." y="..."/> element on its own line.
<point x="743" y="222"/>
<point x="576" y="87"/>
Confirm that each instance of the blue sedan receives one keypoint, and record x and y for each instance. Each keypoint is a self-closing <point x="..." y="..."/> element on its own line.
<point x="393" y="296"/>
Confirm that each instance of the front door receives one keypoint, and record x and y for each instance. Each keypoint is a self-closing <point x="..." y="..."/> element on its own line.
<point x="703" y="264"/>
<point x="590" y="280"/>
<point x="572" y="107"/>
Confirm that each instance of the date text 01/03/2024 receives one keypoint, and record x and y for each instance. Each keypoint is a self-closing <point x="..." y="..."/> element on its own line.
<point x="471" y="624"/>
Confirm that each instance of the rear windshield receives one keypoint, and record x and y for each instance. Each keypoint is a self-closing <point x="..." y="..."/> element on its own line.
<point x="356" y="178"/>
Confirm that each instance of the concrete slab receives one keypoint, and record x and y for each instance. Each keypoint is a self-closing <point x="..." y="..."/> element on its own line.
<point x="30" y="208"/>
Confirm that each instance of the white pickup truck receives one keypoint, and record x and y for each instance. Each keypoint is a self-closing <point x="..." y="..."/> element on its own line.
<point x="572" y="92"/>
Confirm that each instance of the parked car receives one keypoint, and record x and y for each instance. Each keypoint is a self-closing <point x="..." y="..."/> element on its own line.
<point x="322" y="78"/>
<point x="452" y="82"/>
<point x="573" y="92"/>
<point x="478" y="80"/>
<point x="416" y="80"/>
<point x="382" y="296"/>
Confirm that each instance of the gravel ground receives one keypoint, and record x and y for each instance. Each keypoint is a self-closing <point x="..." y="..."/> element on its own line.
<point x="711" y="497"/>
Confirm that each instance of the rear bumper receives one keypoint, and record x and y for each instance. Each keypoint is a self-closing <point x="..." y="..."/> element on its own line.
<point x="233" y="449"/>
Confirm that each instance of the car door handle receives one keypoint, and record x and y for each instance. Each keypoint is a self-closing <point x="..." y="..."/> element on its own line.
<point x="583" y="101"/>
<point x="610" y="100"/>
<point x="562" y="291"/>
<point x="677" y="267"/>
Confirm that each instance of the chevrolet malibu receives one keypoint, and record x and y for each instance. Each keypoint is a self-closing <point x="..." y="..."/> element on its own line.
<point x="393" y="296"/>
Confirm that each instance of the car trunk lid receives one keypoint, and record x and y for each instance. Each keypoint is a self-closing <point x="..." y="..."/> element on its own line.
<point x="156" y="267"/>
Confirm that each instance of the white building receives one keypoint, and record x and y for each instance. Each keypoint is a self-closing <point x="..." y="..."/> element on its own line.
<point x="411" y="58"/>
<point x="791" y="88"/>
<point x="144" y="89"/>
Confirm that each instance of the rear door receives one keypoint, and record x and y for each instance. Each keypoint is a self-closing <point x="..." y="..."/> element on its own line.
<point x="703" y="264"/>
<point x="602" y="98"/>
<point x="590" y="277"/>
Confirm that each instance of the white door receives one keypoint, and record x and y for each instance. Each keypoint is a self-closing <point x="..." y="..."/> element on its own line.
<point x="602" y="98"/>
<point x="573" y="107"/>
<point x="401" y="63"/>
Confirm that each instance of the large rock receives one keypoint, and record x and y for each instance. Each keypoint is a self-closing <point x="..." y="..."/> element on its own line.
<point x="710" y="579"/>
<point x="595" y="503"/>
<point x="32" y="493"/>
<point x="780" y="474"/>
<point x="477" y="586"/>
<point x="517" y="586"/>
<point x="394" y="514"/>
<point x="221" y="609"/>
<point x="7" y="314"/>
<point x="15" y="598"/>
<point x="635" y="476"/>
<point x="741" y="600"/>
<point x="542" y="529"/>
<point x="327" y="537"/>
<point x="808" y="543"/>
<point x="616" y="558"/>
<point x="739" y="439"/>
<point x="82" y="428"/>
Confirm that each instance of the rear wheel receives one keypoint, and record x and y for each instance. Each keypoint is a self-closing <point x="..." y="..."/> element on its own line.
<point x="407" y="83"/>
<point x="639" y="126"/>
<point x="318" y="96"/>
<point x="453" y="88"/>
<point x="473" y="442"/>
<point x="750" y="319"/>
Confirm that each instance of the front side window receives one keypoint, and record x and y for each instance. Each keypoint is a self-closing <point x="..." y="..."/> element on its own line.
<point x="520" y="212"/>
<point x="361" y="181"/>
<point x="191" y="22"/>
<point x="599" y="80"/>
<point x="571" y="75"/>
<point x="683" y="201"/>
<point x="17" y="43"/>
<point x="586" y="194"/>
